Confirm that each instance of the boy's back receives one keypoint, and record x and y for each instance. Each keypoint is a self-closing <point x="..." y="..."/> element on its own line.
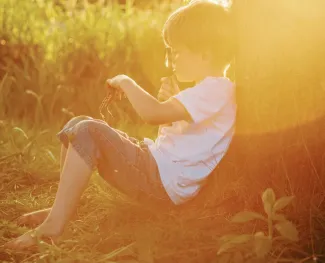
<point x="201" y="39"/>
<point x="187" y="152"/>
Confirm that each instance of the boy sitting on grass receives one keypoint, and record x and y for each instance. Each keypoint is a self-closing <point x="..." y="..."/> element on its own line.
<point x="172" y="169"/>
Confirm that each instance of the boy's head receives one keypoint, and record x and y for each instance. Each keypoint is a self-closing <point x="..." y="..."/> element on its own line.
<point x="201" y="37"/>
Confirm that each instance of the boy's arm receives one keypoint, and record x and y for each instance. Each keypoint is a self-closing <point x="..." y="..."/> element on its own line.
<point x="150" y="109"/>
<point x="168" y="88"/>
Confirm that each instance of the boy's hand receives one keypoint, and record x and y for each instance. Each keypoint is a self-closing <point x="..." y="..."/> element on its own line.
<point x="120" y="83"/>
<point x="168" y="88"/>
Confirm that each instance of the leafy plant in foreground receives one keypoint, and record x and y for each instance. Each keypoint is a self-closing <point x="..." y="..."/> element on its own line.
<point x="258" y="246"/>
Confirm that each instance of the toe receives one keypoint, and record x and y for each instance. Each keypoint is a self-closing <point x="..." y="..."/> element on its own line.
<point x="24" y="241"/>
<point x="13" y="244"/>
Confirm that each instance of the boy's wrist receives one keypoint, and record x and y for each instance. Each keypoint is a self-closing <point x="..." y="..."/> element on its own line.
<point x="127" y="84"/>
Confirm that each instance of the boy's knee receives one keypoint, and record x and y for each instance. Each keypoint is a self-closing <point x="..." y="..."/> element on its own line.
<point x="78" y="119"/>
<point x="88" y="129"/>
<point x="82" y="125"/>
<point x="89" y="126"/>
<point x="75" y="120"/>
<point x="79" y="131"/>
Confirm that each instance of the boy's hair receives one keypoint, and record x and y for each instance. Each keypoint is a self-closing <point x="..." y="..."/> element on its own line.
<point x="202" y="26"/>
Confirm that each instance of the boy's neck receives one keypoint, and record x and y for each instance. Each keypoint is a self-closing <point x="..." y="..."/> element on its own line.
<point x="209" y="73"/>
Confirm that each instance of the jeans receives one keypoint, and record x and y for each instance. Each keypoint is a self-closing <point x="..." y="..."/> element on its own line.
<point x="123" y="161"/>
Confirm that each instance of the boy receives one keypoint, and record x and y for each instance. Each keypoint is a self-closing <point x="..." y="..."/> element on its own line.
<point x="172" y="169"/>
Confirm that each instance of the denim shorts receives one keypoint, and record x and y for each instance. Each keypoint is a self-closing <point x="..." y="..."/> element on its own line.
<point x="123" y="161"/>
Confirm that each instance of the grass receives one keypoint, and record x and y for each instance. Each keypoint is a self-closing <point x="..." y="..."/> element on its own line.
<point x="112" y="228"/>
<point x="30" y="185"/>
<point x="53" y="66"/>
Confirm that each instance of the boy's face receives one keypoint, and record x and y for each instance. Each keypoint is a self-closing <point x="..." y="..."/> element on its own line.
<point x="187" y="64"/>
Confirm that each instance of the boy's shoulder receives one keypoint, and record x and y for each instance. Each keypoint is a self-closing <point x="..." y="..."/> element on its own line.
<point x="210" y="91"/>
<point x="216" y="81"/>
<point x="213" y="83"/>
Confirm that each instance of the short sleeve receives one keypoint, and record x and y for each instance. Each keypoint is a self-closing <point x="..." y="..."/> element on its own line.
<point x="206" y="98"/>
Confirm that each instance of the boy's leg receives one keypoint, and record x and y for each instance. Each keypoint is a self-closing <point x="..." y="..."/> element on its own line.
<point x="37" y="217"/>
<point x="74" y="179"/>
<point x="62" y="157"/>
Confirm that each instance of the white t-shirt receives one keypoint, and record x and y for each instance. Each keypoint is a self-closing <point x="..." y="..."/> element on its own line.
<point x="186" y="153"/>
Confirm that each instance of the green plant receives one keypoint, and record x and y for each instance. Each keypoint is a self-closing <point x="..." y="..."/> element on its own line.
<point x="259" y="245"/>
<point x="65" y="56"/>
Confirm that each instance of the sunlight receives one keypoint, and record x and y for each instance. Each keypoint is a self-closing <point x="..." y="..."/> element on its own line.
<point x="278" y="75"/>
<point x="225" y="3"/>
<point x="163" y="170"/>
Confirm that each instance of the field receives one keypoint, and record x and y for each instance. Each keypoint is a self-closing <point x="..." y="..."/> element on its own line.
<point x="54" y="60"/>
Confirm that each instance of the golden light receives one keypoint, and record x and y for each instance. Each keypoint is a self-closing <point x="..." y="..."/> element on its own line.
<point x="279" y="64"/>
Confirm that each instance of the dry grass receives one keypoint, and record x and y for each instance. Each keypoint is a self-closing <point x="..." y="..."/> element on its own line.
<point x="58" y="73"/>
<point x="112" y="228"/>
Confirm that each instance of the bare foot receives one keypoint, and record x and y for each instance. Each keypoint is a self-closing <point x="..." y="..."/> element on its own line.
<point x="33" y="219"/>
<point x="28" y="241"/>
